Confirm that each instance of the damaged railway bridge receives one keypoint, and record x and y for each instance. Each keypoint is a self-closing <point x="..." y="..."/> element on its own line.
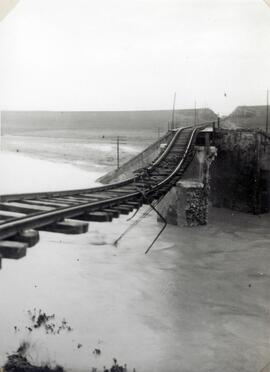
<point x="23" y="215"/>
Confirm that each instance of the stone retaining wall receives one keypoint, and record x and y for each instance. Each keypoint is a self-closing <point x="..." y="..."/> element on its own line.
<point x="241" y="173"/>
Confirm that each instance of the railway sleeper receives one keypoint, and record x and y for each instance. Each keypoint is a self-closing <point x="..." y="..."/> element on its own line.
<point x="68" y="226"/>
<point x="124" y="190"/>
<point x="99" y="196"/>
<point x="95" y="217"/>
<point x="79" y="199"/>
<point x="161" y="174"/>
<point x="135" y="204"/>
<point x="62" y="200"/>
<point x="31" y="237"/>
<point x="114" y="212"/>
<point x="12" y="249"/>
<point x="82" y="198"/>
<point x="23" y="208"/>
<point x="124" y="209"/>
<point x="47" y="203"/>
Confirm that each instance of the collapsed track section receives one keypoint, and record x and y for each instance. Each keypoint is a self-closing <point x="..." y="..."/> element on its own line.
<point x="23" y="215"/>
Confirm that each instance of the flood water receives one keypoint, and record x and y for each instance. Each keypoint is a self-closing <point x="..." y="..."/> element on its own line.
<point x="198" y="301"/>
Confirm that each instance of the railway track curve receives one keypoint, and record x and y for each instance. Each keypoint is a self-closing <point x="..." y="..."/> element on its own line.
<point x="23" y="215"/>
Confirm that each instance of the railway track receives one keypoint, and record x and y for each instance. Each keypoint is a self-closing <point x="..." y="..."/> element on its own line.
<point x="23" y="215"/>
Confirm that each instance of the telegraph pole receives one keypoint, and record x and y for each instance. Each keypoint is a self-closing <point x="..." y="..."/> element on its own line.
<point x="117" y="146"/>
<point x="118" y="140"/>
<point x="195" y="114"/>
<point x="174" y="98"/>
<point x="0" y="131"/>
<point x="267" y="111"/>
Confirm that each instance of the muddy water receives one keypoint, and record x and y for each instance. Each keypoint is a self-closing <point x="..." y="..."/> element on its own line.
<point x="199" y="301"/>
<point x="102" y="292"/>
<point x="20" y="173"/>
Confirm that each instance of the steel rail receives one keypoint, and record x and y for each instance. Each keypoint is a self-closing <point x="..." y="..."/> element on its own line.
<point x="192" y="136"/>
<point x="38" y="220"/>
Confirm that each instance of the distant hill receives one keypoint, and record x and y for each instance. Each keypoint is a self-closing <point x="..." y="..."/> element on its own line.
<point x="253" y="117"/>
<point x="19" y="122"/>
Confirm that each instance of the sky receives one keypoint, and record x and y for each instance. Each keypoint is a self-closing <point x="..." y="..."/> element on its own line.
<point x="134" y="54"/>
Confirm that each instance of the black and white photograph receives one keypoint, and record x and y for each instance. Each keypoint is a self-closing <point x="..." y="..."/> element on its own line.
<point x="134" y="186"/>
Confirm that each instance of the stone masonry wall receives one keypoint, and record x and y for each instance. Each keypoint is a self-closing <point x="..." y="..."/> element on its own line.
<point x="240" y="176"/>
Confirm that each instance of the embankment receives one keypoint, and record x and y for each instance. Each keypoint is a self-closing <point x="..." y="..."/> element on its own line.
<point x="143" y="159"/>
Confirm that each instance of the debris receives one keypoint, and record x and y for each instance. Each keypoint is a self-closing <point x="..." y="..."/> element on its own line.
<point x="19" y="363"/>
<point x="41" y="319"/>
<point x="23" y="348"/>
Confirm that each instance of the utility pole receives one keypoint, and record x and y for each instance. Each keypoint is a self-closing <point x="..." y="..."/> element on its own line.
<point x="118" y="140"/>
<point x="195" y="114"/>
<point x="117" y="149"/>
<point x="0" y="131"/>
<point x="267" y="110"/>
<point x="174" y="99"/>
